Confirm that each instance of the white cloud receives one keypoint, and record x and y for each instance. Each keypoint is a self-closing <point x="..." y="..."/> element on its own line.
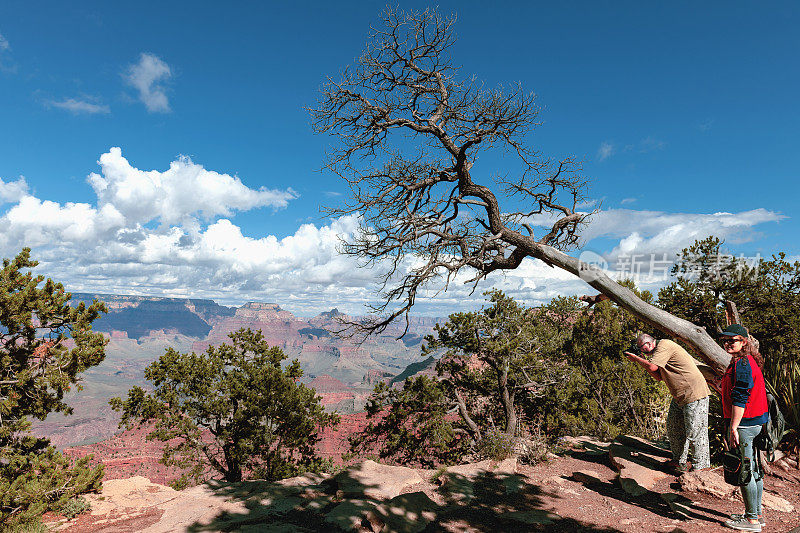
<point x="627" y="201"/>
<point x="182" y="192"/>
<point x="659" y="232"/>
<point x="78" y="107"/>
<point x="13" y="191"/>
<point x="589" y="204"/>
<point x="171" y="233"/>
<point x="148" y="76"/>
<point x="705" y="125"/>
<point x="4" y="48"/>
<point x="650" y="144"/>
<point x="605" y="151"/>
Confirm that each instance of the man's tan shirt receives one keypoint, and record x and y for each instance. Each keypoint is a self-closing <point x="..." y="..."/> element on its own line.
<point x="679" y="372"/>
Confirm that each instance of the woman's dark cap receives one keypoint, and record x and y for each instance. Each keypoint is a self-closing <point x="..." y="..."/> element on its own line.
<point x="734" y="330"/>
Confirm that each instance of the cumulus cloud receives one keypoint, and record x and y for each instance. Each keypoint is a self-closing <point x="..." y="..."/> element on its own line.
<point x="659" y="232"/>
<point x="174" y="233"/>
<point x="605" y="151"/>
<point x="148" y="77"/>
<point x="79" y="107"/>
<point x="183" y="191"/>
<point x="13" y="191"/>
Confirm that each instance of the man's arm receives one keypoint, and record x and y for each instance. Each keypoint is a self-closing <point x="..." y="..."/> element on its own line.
<point x="651" y="369"/>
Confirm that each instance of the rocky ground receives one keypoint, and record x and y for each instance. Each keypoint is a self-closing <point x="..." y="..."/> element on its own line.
<point x="591" y="487"/>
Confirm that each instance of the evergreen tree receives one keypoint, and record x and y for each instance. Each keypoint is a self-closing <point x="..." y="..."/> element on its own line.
<point x="409" y="425"/>
<point x="605" y="394"/>
<point x="233" y="410"/>
<point x="767" y="295"/>
<point x="44" y="345"/>
<point x="491" y="364"/>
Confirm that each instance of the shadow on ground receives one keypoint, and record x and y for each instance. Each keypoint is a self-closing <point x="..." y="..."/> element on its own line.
<point x="484" y="502"/>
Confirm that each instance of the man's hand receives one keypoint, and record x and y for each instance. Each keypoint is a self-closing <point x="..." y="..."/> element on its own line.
<point x="644" y="363"/>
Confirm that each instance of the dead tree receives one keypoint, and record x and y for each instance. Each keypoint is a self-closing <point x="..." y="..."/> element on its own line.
<point x="409" y="133"/>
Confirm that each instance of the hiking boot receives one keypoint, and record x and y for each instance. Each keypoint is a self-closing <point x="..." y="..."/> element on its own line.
<point x="743" y="524"/>
<point x="739" y="516"/>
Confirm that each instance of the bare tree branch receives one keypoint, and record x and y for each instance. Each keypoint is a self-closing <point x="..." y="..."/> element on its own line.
<point x="409" y="133"/>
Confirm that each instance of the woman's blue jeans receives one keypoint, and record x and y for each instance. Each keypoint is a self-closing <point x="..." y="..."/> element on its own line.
<point x="752" y="492"/>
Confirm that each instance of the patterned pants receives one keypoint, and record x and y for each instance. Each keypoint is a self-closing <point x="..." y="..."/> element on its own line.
<point x="689" y="424"/>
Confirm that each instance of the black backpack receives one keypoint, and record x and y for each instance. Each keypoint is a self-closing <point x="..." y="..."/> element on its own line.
<point x="772" y="431"/>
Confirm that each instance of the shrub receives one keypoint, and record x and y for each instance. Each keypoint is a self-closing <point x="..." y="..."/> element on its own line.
<point x="74" y="506"/>
<point x="496" y="445"/>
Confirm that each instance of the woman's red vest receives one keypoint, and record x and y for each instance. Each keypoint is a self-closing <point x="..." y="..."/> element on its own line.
<point x="757" y="402"/>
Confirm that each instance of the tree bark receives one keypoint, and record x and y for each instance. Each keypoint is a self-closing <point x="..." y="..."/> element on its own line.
<point x="462" y="409"/>
<point x="508" y="401"/>
<point x="695" y="336"/>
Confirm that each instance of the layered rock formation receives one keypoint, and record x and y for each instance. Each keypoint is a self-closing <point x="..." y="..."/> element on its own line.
<point x="141" y="328"/>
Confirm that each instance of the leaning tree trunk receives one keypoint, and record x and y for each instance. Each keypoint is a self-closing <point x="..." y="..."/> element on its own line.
<point x="695" y="336"/>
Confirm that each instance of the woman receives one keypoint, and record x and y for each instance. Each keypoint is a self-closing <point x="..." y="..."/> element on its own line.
<point x="744" y="406"/>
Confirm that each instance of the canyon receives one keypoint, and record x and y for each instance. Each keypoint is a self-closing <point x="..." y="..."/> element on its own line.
<point x="140" y="329"/>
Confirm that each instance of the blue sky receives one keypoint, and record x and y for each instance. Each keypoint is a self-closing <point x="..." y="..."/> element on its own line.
<point x="679" y="113"/>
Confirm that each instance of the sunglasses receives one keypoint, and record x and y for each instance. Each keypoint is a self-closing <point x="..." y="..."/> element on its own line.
<point x="731" y="341"/>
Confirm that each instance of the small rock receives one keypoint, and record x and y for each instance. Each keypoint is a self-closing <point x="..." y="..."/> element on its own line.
<point x="554" y="480"/>
<point x="629" y="521"/>
<point x="772" y="501"/>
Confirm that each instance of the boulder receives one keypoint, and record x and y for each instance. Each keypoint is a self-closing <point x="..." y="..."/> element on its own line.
<point x="460" y="480"/>
<point x="355" y="515"/>
<point x="408" y="513"/>
<point x="590" y="445"/>
<point x="374" y="480"/>
<point x="481" y="468"/>
<point x="586" y="476"/>
<point x="638" y="463"/>
<point x="775" y="502"/>
<point x="631" y="485"/>
<point x="306" y="480"/>
<point x="707" y="482"/>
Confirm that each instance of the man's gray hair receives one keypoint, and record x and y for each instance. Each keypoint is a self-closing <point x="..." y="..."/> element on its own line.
<point x="643" y="338"/>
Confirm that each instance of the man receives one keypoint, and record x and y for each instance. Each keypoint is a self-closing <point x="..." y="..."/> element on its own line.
<point x="687" y="421"/>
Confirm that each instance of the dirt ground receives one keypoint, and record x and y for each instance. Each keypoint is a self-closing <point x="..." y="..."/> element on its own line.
<point x="578" y="491"/>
